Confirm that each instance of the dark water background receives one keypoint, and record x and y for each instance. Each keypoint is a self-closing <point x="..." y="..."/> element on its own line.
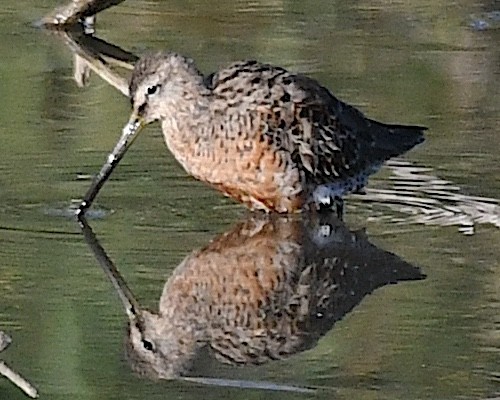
<point x="417" y="62"/>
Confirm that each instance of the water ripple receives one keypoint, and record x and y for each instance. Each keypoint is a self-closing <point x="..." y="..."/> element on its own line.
<point x="429" y="200"/>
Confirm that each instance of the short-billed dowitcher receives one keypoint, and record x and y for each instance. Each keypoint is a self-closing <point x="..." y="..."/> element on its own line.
<point x="271" y="139"/>
<point x="269" y="288"/>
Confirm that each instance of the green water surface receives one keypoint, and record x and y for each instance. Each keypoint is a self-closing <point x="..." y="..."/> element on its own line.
<point x="415" y="62"/>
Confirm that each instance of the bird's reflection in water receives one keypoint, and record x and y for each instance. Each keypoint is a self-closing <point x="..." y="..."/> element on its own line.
<point x="267" y="289"/>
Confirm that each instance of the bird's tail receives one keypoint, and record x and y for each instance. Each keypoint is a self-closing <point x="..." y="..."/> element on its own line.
<point x="393" y="140"/>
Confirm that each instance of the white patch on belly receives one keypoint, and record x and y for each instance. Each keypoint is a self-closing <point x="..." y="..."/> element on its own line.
<point x="325" y="194"/>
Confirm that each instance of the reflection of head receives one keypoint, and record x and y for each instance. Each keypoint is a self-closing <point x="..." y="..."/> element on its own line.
<point x="136" y="358"/>
<point x="155" y="348"/>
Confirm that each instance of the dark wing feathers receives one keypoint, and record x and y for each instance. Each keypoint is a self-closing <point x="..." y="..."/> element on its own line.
<point x="326" y="138"/>
<point x="346" y="142"/>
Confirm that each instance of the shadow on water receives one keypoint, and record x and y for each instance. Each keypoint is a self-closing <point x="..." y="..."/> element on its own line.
<point x="267" y="289"/>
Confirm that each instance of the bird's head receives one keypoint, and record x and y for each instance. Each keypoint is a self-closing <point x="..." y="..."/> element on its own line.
<point x="161" y="85"/>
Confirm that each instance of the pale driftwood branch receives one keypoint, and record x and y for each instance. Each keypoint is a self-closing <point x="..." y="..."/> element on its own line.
<point x="81" y="71"/>
<point x="98" y="48"/>
<point x="93" y="54"/>
<point x="90" y="53"/>
<point x="10" y="374"/>
<point x="83" y="65"/>
<point x="18" y="380"/>
<point x="75" y="11"/>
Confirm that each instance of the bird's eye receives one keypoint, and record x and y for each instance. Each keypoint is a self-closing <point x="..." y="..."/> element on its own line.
<point x="147" y="345"/>
<point x="152" y="90"/>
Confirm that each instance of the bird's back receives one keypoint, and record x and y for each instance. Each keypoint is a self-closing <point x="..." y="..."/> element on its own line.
<point x="314" y="138"/>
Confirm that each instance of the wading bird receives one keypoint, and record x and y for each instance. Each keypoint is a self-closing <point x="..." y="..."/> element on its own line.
<point x="271" y="139"/>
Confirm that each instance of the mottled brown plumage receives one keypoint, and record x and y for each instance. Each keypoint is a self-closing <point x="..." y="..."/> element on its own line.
<point x="266" y="137"/>
<point x="269" y="288"/>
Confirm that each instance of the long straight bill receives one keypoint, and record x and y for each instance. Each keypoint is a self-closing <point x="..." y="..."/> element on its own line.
<point x="129" y="133"/>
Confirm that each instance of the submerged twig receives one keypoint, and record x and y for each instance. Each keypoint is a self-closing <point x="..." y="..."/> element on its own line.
<point x="5" y="340"/>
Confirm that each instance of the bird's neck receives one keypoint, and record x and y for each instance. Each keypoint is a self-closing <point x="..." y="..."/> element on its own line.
<point x="186" y="106"/>
<point x="186" y="122"/>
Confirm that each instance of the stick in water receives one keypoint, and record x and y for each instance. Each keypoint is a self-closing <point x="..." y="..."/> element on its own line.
<point x="18" y="380"/>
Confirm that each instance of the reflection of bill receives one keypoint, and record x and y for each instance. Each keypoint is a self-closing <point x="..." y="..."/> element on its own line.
<point x="267" y="289"/>
<point x="10" y="374"/>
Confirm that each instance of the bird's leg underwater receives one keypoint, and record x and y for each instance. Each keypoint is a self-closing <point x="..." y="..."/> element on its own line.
<point x="335" y="204"/>
<point x="339" y="207"/>
<point x="328" y="204"/>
